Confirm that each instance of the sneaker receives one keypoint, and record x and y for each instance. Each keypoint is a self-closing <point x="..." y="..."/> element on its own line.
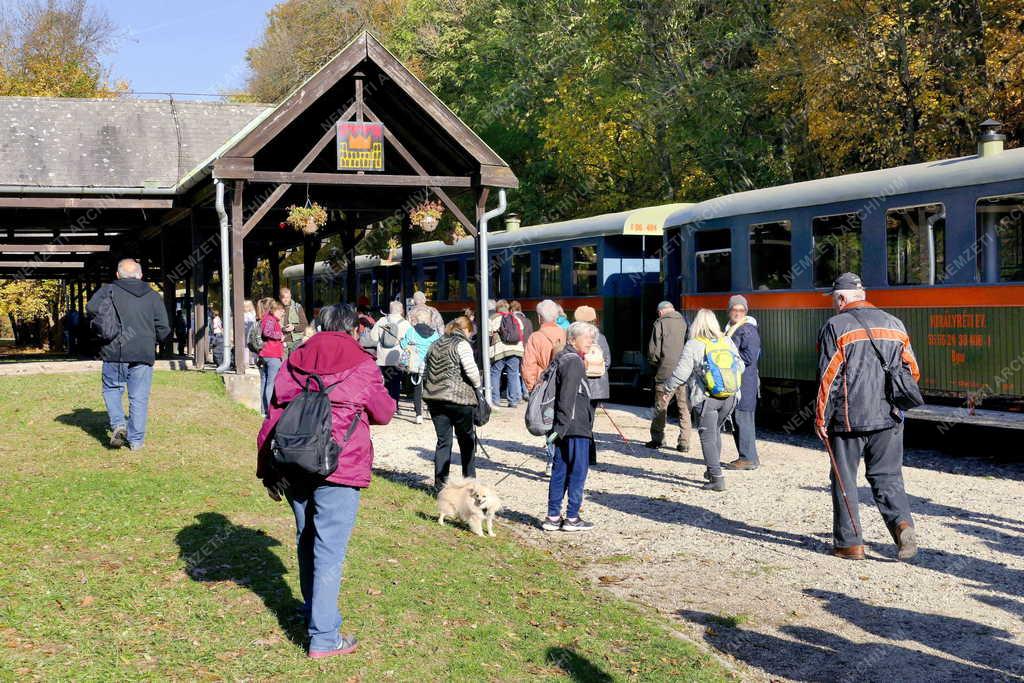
<point x="741" y="464"/>
<point x="419" y="419"/>
<point x="346" y="646"/>
<point x="119" y="439"/>
<point x="683" y="447"/>
<point x="135" y="446"/>
<point x="551" y="524"/>
<point x="577" y="524"/>
<point x="906" y="542"/>
<point x="653" y="444"/>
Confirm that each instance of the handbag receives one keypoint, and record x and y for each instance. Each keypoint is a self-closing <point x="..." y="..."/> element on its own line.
<point x="482" y="411"/>
<point x="901" y="389"/>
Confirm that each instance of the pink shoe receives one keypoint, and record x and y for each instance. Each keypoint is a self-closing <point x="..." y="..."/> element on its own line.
<point x="346" y="646"/>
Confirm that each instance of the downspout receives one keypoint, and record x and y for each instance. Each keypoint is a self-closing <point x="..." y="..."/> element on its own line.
<point x="484" y="288"/>
<point x="225" y="277"/>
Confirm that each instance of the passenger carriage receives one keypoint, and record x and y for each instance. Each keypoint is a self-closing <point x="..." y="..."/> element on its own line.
<point x="939" y="244"/>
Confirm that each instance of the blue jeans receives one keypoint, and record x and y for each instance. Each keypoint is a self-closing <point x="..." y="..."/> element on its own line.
<point x="137" y="378"/>
<point x="568" y="474"/>
<point x="514" y="388"/>
<point x="324" y="518"/>
<point x="268" y="373"/>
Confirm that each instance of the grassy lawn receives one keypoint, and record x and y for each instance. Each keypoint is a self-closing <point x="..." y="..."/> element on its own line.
<point x="172" y="563"/>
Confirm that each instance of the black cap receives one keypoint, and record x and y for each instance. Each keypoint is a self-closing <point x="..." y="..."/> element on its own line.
<point x="847" y="281"/>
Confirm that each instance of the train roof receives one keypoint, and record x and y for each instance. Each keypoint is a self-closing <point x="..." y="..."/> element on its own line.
<point x="887" y="182"/>
<point x="646" y="220"/>
<point x="321" y="267"/>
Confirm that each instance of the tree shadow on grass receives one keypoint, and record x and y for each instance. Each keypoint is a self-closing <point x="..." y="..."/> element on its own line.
<point x="215" y="549"/>
<point x="92" y="422"/>
<point x="578" y="668"/>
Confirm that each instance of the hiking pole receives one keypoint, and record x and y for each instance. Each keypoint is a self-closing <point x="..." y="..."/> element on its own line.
<point x="609" y="416"/>
<point x="842" y="488"/>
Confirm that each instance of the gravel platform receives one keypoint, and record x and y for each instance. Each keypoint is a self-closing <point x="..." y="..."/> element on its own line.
<point x="746" y="572"/>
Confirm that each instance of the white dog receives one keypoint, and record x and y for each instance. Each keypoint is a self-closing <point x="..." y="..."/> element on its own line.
<point x="470" y="501"/>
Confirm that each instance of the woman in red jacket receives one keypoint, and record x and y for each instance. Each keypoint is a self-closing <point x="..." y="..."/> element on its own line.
<point x="325" y="509"/>
<point x="270" y="313"/>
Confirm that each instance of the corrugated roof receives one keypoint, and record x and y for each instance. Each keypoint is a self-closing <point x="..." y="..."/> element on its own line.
<point x="887" y="182"/>
<point x="117" y="143"/>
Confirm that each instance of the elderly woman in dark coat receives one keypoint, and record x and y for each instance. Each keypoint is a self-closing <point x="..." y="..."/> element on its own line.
<point x="742" y="329"/>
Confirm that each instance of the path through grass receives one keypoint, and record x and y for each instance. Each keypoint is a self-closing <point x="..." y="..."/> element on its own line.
<point x="172" y="563"/>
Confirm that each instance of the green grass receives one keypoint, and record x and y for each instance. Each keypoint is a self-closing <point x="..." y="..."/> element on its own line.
<point x="728" y="620"/>
<point x="172" y="563"/>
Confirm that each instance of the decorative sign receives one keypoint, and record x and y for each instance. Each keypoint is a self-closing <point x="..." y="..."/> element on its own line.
<point x="360" y="146"/>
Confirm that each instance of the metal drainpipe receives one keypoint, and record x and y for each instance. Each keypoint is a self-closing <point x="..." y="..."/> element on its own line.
<point x="225" y="277"/>
<point x="483" y="264"/>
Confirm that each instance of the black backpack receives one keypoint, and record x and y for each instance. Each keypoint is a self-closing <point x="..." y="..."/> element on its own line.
<point x="510" y="330"/>
<point x="106" y="323"/>
<point x="254" y="339"/>
<point x="303" y="437"/>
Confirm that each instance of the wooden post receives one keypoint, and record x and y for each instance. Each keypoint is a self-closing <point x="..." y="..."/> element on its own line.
<point x="238" y="277"/>
<point x="168" y="291"/>
<point x="310" y="247"/>
<point x="275" y="270"/>
<point x="348" y="242"/>
<point x="406" y="268"/>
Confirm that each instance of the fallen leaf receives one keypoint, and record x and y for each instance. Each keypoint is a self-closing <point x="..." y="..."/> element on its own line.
<point x="610" y="579"/>
<point x="374" y="591"/>
<point x="86" y="601"/>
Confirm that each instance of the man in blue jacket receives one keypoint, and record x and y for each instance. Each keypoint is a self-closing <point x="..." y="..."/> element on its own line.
<point x="742" y="328"/>
<point x="128" y="358"/>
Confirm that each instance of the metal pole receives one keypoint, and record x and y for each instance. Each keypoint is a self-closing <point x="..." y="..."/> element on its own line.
<point x="483" y="287"/>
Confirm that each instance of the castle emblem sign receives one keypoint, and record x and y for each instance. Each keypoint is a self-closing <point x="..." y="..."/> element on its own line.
<point x="360" y="146"/>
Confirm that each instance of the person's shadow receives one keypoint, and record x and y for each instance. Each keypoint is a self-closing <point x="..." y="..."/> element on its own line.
<point x="215" y="549"/>
<point x="92" y="422"/>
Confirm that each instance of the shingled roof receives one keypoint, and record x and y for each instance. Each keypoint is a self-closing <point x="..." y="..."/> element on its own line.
<point x="114" y="143"/>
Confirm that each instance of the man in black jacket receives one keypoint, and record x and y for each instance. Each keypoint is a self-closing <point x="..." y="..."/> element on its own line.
<point x="855" y="418"/>
<point x="128" y="358"/>
<point x="668" y="335"/>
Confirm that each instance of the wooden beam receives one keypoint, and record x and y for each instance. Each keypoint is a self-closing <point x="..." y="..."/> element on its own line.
<point x="362" y="180"/>
<point x="42" y="264"/>
<point x="233" y="168"/>
<point x="52" y="248"/>
<point x="83" y="203"/>
<point x="498" y="176"/>
<point x="303" y="164"/>
<point x="308" y="93"/>
<point x="418" y="167"/>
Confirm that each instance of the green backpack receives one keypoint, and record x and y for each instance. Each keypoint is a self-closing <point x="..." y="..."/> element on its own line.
<point x="722" y="368"/>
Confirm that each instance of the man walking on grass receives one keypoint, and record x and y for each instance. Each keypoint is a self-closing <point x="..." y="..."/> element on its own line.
<point x="135" y="315"/>
<point x="855" y="416"/>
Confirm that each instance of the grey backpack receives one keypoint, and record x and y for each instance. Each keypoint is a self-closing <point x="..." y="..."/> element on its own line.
<point x="540" y="406"/>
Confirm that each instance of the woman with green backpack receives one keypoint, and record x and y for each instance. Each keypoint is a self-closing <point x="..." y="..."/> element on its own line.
<point x="711" y="366"/>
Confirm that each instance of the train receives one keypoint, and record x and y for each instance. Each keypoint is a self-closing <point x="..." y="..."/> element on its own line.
<point x="940" y="244"/>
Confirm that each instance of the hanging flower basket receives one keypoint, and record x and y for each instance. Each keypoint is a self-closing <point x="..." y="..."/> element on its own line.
<point x="307" y="219"/>
<point x="455" y="234"/>
<point x="427" y="215"/>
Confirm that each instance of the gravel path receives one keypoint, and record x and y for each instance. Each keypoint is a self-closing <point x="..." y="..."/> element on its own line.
<point x="745" y="571"/>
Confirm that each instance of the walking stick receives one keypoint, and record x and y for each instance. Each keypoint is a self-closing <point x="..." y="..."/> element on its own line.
<point x="842" y="488"/>
<point x="609" y="416"/>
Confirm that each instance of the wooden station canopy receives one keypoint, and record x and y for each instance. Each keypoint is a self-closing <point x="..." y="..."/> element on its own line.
<point x="400" y="145"/>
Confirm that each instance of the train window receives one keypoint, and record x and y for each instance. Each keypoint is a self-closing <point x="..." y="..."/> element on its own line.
<point x="915" y="244"/>
<point x="584" y="270"/>
<point x="430" y="282"/>
<point x="771" y="265"/>
<point x="836" y="247"/>
<point x="471" y="278"/>
<point x="451" y="276"/>
<point x="1001" y="239"/>
<point x="520" y="276"/>
<point x="550" y="272"/>
<point x="713" y="251"/>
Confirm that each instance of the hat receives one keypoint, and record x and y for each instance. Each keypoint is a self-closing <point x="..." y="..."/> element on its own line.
<point x="847" y="281"/>
<point x="585" y="314"/>
<point x="738" y="300"/>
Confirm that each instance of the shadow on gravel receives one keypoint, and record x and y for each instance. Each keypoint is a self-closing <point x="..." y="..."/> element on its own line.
<point x="961" y="638"/>
<point x="817" y="655"/>
<point x="92" y="422"/>
<point x="215" y="549"/>
<point x="669" y="511"/>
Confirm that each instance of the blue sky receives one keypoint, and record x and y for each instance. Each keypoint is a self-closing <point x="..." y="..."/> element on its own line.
<point x="194" y="46"/>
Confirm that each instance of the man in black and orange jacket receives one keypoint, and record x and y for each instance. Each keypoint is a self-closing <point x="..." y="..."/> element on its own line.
<point x="854" y="416"/>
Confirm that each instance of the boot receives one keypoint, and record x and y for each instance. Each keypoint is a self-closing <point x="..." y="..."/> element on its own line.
<point x="715" y="483"/>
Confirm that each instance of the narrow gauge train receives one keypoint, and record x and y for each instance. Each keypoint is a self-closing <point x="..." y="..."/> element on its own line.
<point x="939" y="244"/>
<point x="611" y="262"/>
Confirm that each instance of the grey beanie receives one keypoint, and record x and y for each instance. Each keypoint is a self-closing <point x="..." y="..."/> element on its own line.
<point x="738" y="300"/>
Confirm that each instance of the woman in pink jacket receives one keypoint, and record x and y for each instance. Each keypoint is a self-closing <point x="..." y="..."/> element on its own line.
<point x="325" y="509"/>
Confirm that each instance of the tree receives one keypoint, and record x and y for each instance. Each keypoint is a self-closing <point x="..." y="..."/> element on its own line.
<point x="32" y="307"/>
<point x="52" y="48"/>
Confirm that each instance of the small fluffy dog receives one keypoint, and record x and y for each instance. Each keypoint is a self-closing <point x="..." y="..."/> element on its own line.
<point x="472" y="502"/>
